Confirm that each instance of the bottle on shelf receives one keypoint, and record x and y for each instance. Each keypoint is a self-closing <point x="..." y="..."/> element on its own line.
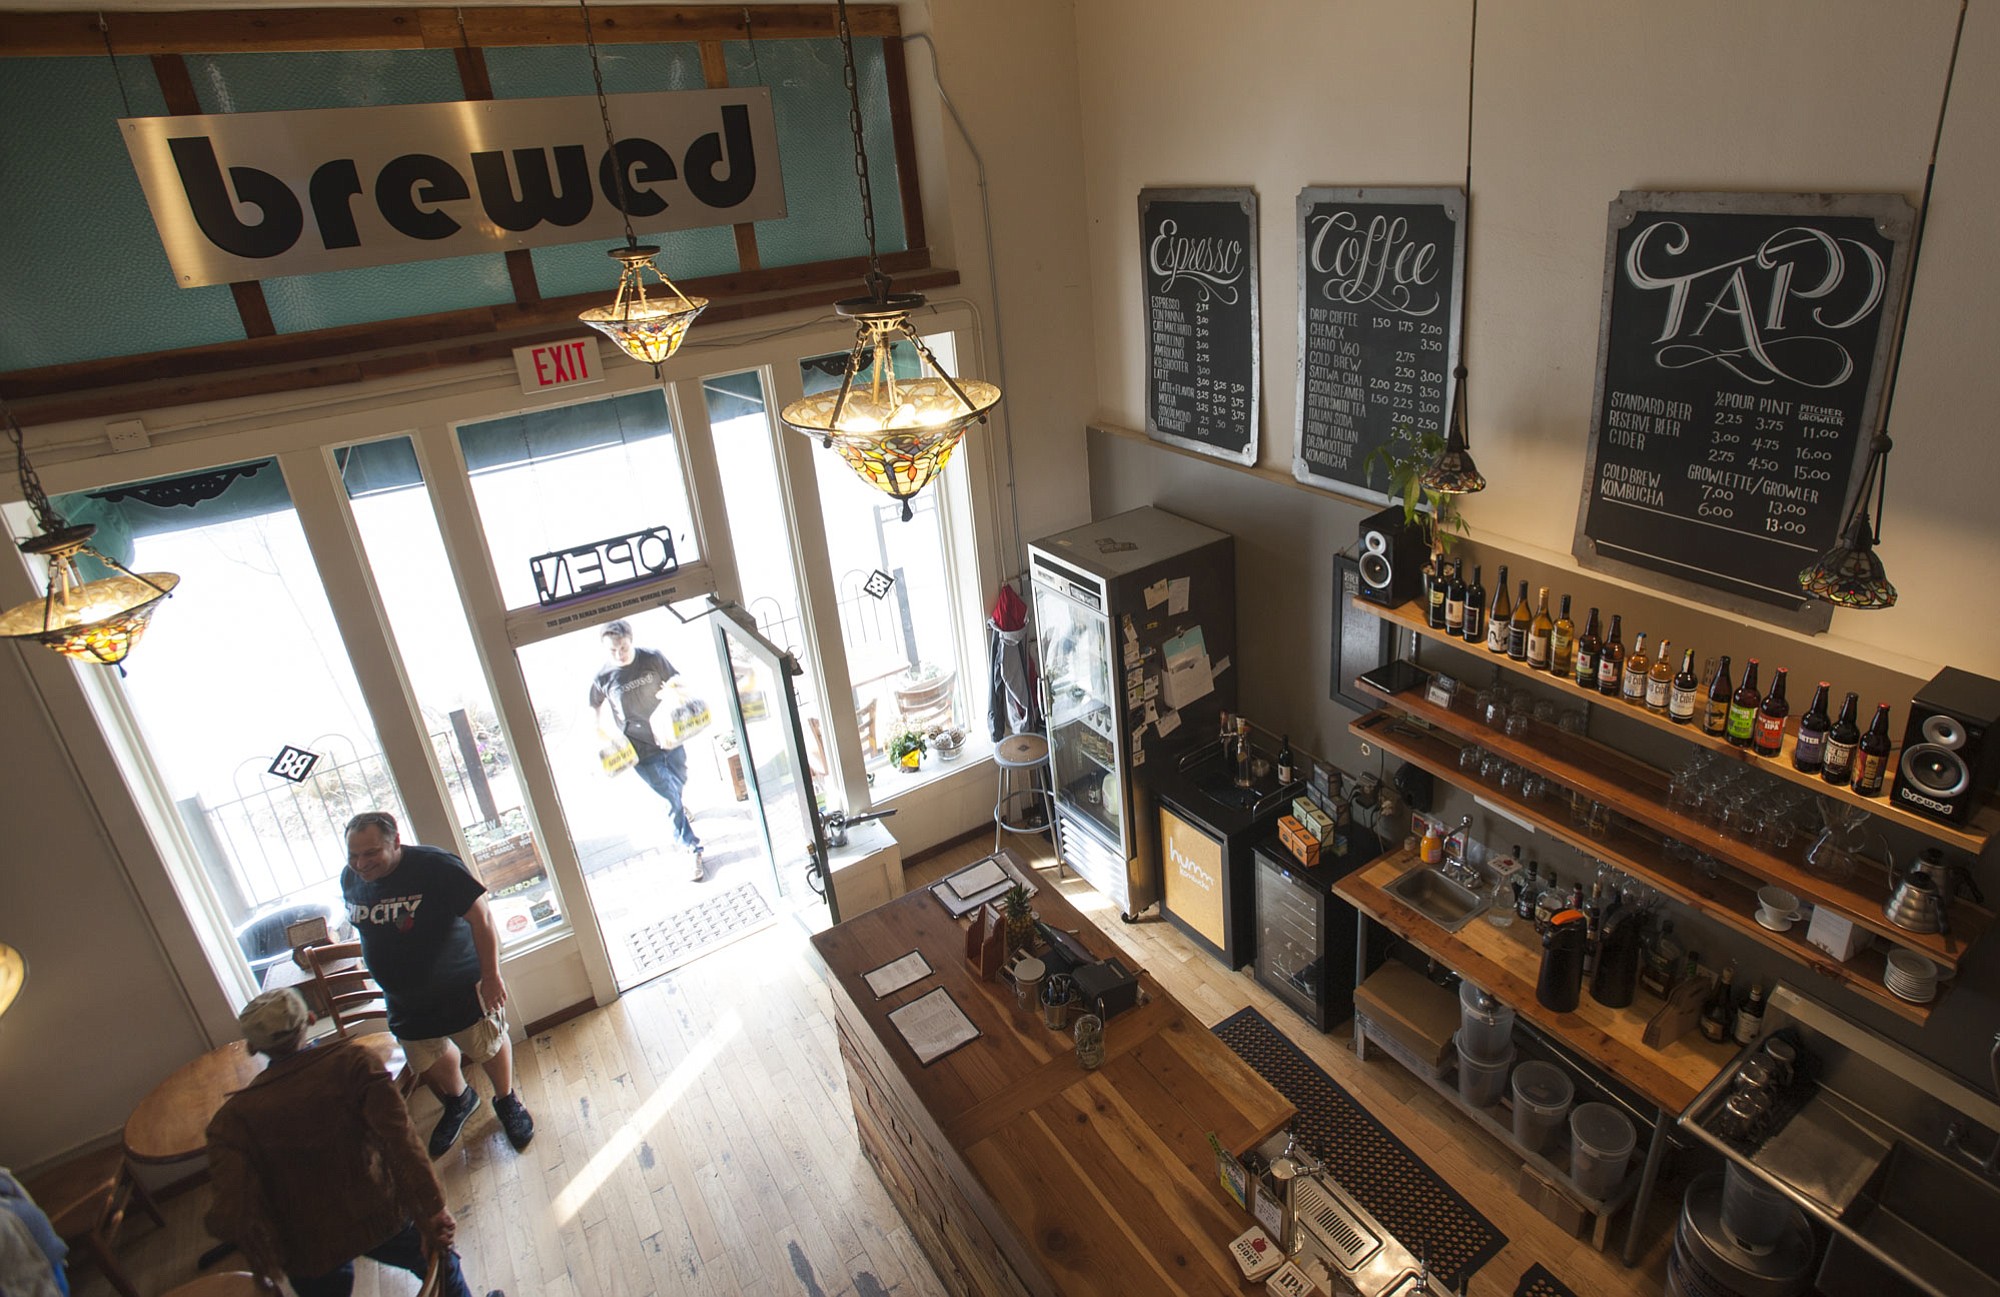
<point x="1501" y="617"/>
<point x="1540" y="631"/>
<point x="1632" y="685"/>
<point x="1871" y="759"/>
<point x="1836" y="759"/>
<point x="1436" y="574"/>
<point x="1809" y="747"/>
<point x="1593" y="925"/>
<point x="1715" y="717"/>
<point x="1551" y="900"/>
<point x="1500" y="907"/>
<point x="1680" y="699"/>
<point x="1718" y="1016"/>
<point x="1519" y="625"/>
<point x="1243" y="779"/>
<point x="1660" y="680"/>
<point x="1286" y="772"/>
<point x="1741" y="725"/>
<point x="1768" y="734"/>
<point x="1750" y="1018"/>
<point x="1474" y="629"/>
<point x="1526" y="890"/>
<point x="1660" y="964"/>
<point x="1588" y="646"/>
<point x="1611" y="659"/>
<point x="1454" y="602"/>
<point x="1562" y="643"/>
<point x="1431" y="851"/>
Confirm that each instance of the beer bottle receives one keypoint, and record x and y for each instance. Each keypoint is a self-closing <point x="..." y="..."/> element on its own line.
<point x="1680" y="699"/>
<point x="1871" y="762"/>
<point x="1768" y="735"/>
<point x="1562" y="643"/>
<point x="1660" y="681"/>
<point x="1518" y="626"/>
<point x="1540" y="631"/>
<point x="1836" y="760"/>
<point x="1611" y="659"/>
<point x="1715" y="720"/>
<point x="1588" y="646"/>
<point x="1806" y="752"/>
<point x="1741" y="725"/>
<point x="1632" y="685"/>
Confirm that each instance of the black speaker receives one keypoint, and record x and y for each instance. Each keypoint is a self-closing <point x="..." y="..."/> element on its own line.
<point x="1951" y="747"/>
<point x="1361" y="640"/>
<point x="1392" y="558"/>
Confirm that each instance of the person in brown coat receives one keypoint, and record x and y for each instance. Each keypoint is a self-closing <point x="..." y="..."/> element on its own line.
<point x="315" y="1163"/>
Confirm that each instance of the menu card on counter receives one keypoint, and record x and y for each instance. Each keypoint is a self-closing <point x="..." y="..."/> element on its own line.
<point x="1203" y="350"/>
<point x="933" y="1025"/>
<point x="1742" y="353"/>
<point x="1381" y="274"/>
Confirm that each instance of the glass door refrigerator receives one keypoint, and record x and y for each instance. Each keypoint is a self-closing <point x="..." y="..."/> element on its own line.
<point x="1135" y="618"/>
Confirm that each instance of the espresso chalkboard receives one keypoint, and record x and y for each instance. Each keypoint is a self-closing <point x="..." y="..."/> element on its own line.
<point x="1741" y="358"/>
<point x="1380" y="276"/>
<point x="1203" y="353"/>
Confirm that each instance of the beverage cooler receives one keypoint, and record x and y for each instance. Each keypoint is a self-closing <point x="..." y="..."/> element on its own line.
<point x="1306" y="935"/>
<point x="1135" y="617"/>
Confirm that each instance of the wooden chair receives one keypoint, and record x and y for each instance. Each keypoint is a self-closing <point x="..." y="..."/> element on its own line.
<point x="86" y="1201"/>
<point x="864" y="717"/>
<point x="354" y="1001"/>
<point x="934" y="702"/>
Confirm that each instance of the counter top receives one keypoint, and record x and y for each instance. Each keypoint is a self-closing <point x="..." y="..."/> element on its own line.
<point x="1084" y="1182"/>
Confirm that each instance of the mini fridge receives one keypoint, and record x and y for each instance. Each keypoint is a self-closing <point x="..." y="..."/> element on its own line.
<point x="1306" y="935"/>
<point x="1135" y="619"/>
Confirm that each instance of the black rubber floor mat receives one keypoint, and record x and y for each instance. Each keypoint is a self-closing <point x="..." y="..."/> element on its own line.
<point x="1538" y="1282"/>
<point x="1406" y="1196"/>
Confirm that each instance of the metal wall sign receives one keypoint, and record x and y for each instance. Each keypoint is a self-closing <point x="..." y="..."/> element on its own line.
<point x="239" y="196"/>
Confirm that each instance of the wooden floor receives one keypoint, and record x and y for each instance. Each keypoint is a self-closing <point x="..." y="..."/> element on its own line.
<point x="695" y="1137"/>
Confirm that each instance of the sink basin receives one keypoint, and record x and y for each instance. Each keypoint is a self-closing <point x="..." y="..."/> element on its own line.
<point x="1448" y="904"/>
<point x="1935" y="1217"/>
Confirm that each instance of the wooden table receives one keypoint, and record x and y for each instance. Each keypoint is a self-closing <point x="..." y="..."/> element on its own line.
<point x="1017" y="1171"/>
<point x="171" y="1123"/>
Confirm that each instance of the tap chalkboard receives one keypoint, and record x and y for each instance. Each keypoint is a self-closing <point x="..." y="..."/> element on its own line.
<point x="1381" y="272"/>
<point x="1203" y="350"/>
<point x="1741" y="357"/>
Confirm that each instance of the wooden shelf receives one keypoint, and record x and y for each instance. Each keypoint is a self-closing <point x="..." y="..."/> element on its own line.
<point x="1507" y="962"/>
<point x="1728" y="901"/>
<point x="1972" y="837"/>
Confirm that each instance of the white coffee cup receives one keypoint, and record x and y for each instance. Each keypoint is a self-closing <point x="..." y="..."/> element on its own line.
<point x="1777" y="909"/>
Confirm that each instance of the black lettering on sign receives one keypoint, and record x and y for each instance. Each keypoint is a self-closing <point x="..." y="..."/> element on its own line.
<point x="604" y="565"/>
<point x="1381" y="274"/>
<point x="1203" y="353"/>
<point x="1740" y="366"/>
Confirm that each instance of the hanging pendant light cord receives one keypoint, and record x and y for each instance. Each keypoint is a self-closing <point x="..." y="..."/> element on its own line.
<point x="45" y="513"/>
<point x="878" y="283"/>
<point x="604" y="115"/>
<point x="1465" y="265"/>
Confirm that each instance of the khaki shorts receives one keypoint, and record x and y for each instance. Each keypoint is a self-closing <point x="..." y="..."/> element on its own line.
<point x="479" y="1042"/>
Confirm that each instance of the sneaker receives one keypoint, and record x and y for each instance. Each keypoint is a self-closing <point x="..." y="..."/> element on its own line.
<point x="445" y="1134"/>
<point x="514" y="1118"/>
<point x="699" y="872"/>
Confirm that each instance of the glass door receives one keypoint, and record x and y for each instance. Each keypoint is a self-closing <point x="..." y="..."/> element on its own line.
<point x="770" y="746"/>
<point x="1083" y="716"/>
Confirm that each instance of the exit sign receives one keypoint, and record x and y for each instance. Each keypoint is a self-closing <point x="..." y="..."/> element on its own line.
<point x="558" y="364"/>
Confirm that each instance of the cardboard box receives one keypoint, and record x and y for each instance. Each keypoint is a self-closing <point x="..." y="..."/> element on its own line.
<point x="1419" y="1014"/>
<point x="1568" y="1215"/>
<point x="1313" y="820"/>
<point x="1298" y="841"/>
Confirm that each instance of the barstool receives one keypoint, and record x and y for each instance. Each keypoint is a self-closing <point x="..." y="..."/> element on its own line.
<point x="1017" y="755"/>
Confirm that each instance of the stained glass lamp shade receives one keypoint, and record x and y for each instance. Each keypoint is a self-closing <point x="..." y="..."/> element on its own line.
<point x="646" y="328"/>
<point x="1850" y="575"/>
<point x="13" y="973"/>
<point x="1453" y="472"/>
<point x="95" y="621"/>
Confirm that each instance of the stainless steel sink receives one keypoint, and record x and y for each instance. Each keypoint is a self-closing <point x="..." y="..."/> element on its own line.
<point x="1449" y="904"/>
<point x="1935" y="1217"/>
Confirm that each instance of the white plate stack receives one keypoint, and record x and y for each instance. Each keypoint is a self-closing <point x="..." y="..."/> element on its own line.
<point x="1911" y="976"/>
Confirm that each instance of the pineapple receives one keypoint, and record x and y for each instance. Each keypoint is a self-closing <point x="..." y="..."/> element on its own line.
<point x="1020" y="919"/>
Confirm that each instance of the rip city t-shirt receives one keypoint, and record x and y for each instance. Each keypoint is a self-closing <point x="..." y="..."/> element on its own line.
<point x="417" y="943"/>
<point x="633" y="691"/>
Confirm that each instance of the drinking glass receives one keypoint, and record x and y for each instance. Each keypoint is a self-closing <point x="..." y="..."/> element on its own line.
<point x="1510" y="777"/>
<point x="1469" y="757"/>
<point x="1517" y="722"/>
<point x="1573" y="720"/>
<point x="1489" y="767"/>
<point x="1597" y="821"/>
<point x="1545" y="710"/>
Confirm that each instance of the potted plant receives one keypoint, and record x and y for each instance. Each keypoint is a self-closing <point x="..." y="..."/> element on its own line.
<point x="1403" y="459"/>
<point x="907" y="748"/>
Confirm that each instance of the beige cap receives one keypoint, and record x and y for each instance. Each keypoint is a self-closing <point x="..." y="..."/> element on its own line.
<point x="272" y="1017"/>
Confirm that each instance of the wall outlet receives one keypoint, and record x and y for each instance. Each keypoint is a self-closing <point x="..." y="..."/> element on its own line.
<point x="127" y="434"/>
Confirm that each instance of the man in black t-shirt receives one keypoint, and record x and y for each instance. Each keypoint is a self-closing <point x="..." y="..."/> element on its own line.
<point x="429" y="939"/>
<point x="631" y="685"/>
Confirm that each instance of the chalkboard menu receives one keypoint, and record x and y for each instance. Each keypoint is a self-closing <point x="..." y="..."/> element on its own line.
<point x="1741" y="358"/>
<point x="1380" y="275"/>
<point x="1203" y="353"/>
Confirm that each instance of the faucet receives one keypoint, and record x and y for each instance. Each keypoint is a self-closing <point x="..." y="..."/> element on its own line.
<point x="1461" y="870"/>
<point x="1954" y="1142"/>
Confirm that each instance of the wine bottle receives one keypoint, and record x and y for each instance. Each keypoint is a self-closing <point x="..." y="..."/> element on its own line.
<point x="1871" y="760"/>
<point x="1552" y="899"/>
<point x="1498" y="620"/>
<point x="1435" y="576"/>
<point x="1741" y="725"/>
<point x="1285" y="771"/>
<point x="1540" y="631"/>
<point x="1715" y="718"/>
<point x="1475" y="608"/>
<point x="1768" y="735"/>
<point x="1661" y="961"/>
<point x="1454" y="602"/>
<point x="1632" y="686"/>
<point x="1750" y="1018"/>
<point x="1836" y="759"/>
<point x="1562" y="643"/>
<point x="1588" y="646"/>
<point x="1611" y="659"/>
<point x="1680" y="700"/>
<point x="1808" y="749"/>
<point x="1527" y="890"/>
<point x="1718" y="1016"/>
<point x="1518" y="626"/>
<point x="1660" y="680"/>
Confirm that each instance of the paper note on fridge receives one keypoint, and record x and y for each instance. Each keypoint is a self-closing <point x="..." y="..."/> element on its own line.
<point x="1177" y="596"/>
<point x="1188" y="674"/>
<point x="1156" y="593"/>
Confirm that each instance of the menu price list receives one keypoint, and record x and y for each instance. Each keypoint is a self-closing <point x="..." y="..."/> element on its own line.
<point x="1201" y="315"/>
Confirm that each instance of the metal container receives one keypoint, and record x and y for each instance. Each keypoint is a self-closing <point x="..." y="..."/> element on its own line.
<point x="1707" y="1263"/>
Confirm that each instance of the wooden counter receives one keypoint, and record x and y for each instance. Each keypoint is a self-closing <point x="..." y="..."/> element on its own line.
<point x="1017" y="1171"/>
<point x="1507" y="961"/>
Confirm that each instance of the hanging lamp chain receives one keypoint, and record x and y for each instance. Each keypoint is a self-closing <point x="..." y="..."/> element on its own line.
<point x="604" y="115"/>
<point x="878" y="283"/>
<point x="37" y="500"/>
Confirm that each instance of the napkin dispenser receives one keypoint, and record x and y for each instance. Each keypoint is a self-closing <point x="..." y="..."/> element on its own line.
<point x="1107" y="986"/>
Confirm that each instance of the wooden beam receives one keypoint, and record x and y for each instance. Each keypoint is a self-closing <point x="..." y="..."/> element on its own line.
<point x="715" y="75"/>
<point x="895" y="71"/>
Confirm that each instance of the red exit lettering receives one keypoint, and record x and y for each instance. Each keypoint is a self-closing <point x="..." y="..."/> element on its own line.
<point x="564" y="363"/>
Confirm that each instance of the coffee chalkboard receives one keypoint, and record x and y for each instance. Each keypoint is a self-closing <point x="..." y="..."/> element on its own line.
<point x="1203" y="353"/>
<point x="1380" y="276"/>
<point x="1741" y="357"/>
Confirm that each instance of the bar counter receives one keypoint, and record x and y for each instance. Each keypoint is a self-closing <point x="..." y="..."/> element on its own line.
<point x="1019" y="1172"/>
